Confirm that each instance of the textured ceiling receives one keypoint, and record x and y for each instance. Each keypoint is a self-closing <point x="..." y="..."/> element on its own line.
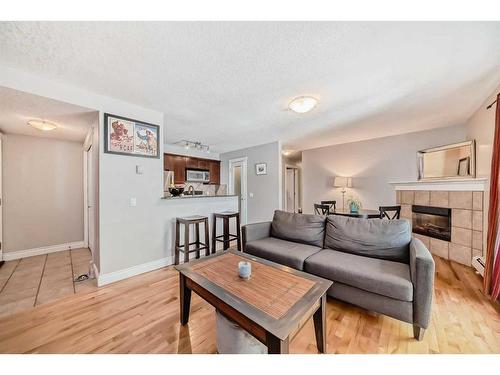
<point x="17" y="107"/>
<point x="227" y="84"/>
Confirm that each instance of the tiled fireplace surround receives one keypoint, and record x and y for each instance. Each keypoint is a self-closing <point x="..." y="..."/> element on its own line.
<point x="466" y="221"/>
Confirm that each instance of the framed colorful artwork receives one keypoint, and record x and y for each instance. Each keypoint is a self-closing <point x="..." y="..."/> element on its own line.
<point x="125" y="136"/>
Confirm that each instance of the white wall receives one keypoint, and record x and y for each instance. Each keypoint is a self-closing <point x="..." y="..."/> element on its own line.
<point x="481" y="127"/>
<point x="372" y="164"/>
<point x="266" y="189"/>
<point x="43" y="192"/>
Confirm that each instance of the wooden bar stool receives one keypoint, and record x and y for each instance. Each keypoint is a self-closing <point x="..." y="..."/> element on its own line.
<point x="187" y="221"/>
<point x="226" y="237"/>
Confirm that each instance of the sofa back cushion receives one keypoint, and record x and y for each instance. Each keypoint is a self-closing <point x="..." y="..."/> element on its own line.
<point x="307" y="229"/>
<point x="375" y="238"/>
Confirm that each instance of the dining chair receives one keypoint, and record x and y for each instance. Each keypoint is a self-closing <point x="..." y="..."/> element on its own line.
<point x="390" y="212"/>
<point x="331" y="204"/>
<point x="321" y="209"/>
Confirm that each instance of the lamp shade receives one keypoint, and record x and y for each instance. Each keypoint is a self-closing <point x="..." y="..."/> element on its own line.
<point x="342" y="182"/>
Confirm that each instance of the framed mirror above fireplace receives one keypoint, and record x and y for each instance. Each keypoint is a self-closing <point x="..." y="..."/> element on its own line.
<point x="454" y="161"/>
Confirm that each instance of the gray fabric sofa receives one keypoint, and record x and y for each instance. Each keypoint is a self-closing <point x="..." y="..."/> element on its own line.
<point x="374" y="264"/>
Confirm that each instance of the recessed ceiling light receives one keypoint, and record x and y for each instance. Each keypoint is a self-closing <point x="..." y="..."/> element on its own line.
<point x="42" y="125"/>
<point x="303" y="104"/>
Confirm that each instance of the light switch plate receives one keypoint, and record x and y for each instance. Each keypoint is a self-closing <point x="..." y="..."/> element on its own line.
<point x="138" y="169"/>
<point x="133" y="202"/>
<point x="251" y="195"/>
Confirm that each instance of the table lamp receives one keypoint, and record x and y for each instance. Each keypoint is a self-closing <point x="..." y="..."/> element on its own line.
<point x="342" y="182"/>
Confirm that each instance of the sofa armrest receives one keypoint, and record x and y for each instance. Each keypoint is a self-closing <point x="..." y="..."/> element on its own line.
<point x="257" y="231"/>
<point x="422" y="276"/>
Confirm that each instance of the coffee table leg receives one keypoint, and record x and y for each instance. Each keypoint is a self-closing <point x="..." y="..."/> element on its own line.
<point x="319" y="319"/>
<point x="185" y="299"/>
<point x="275" y="345"/>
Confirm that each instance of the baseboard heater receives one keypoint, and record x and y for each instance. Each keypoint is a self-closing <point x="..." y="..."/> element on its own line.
<point x="478" y="264"/>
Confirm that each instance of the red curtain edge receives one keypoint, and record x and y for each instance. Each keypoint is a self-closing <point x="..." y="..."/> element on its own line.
<point x="491" y="281"/>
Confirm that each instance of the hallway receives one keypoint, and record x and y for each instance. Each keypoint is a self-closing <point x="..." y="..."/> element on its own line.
<point x="33" y="281"/>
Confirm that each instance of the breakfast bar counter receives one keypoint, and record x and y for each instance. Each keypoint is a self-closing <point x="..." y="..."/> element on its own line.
<point x="170" y="208"/>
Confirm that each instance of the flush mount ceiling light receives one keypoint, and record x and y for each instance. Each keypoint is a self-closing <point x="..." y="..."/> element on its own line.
<point x="303" y="104"/>
<point x="42" y="125"/>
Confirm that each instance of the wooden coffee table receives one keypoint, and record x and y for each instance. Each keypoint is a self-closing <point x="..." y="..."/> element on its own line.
<point x="273" y="305"/>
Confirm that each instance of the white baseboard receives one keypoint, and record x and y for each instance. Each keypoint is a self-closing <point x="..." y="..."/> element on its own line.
<point x="41" y="250"/>
<point x="111" y="277"/>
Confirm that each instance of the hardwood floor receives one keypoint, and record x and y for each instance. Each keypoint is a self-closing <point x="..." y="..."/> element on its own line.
<point x="33" y="281"/>
<point x="141" y="315"/>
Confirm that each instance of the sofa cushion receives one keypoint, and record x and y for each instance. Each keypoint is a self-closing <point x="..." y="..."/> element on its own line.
<point x="382" y="239"/>
<point x="290" y="254"/>
<point x="308" y="229"/>
<point x="391" y="279"/>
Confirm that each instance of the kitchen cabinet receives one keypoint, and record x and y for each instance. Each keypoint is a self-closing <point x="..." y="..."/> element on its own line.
<point x="214" y="168"/>
<point x="191" y="162"/>
<point x="203" y="164"/>
<point x="179" y="169"/>
<point x="197" y="163"/>
<point x="168" y="162"/>
<point x="178" y="164"/>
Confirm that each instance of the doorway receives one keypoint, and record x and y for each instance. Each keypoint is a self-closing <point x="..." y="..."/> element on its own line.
<point x="90" y="199"/>
<point x="292" y="189"/>
<point x="91" y="196"/>
<point x="238" y="184"/>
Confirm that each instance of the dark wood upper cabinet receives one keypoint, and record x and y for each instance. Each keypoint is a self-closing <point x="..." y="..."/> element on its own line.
<point x="196" y="163"/>
<point x="192" y="162"/>
<point x="214" y="168"/>
<point x="178" y="164"/>
<point x="168" y="162"/>
<point x="179" y="169"/>
<point x="203" y="163"/>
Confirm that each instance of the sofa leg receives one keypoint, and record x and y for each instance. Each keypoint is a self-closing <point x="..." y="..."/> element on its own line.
<point x="418" y="332"/>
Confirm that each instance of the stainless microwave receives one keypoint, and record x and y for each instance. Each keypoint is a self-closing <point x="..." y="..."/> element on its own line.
<point x="194" y="175"/>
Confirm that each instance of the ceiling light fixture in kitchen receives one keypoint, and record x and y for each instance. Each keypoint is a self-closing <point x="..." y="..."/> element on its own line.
<point x="195" y="146"/>
<point x="303" y="104"/>
<point x="42" y="125"/>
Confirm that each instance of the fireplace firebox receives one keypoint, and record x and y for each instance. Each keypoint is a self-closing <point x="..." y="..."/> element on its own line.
<point x="432" y="221"/>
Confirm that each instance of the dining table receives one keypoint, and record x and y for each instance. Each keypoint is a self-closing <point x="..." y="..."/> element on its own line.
<point x="365" y="214"/>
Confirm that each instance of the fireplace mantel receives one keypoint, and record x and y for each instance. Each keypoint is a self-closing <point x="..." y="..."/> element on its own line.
<point x="466" y="184"/>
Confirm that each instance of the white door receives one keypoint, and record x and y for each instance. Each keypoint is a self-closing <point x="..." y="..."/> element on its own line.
<point x="290" y="190"/>
<point x="90" y="198"/>
<point x="238" y="184"/>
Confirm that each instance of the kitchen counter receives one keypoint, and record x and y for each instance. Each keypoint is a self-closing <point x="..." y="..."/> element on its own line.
<point x="187" y="197"/>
